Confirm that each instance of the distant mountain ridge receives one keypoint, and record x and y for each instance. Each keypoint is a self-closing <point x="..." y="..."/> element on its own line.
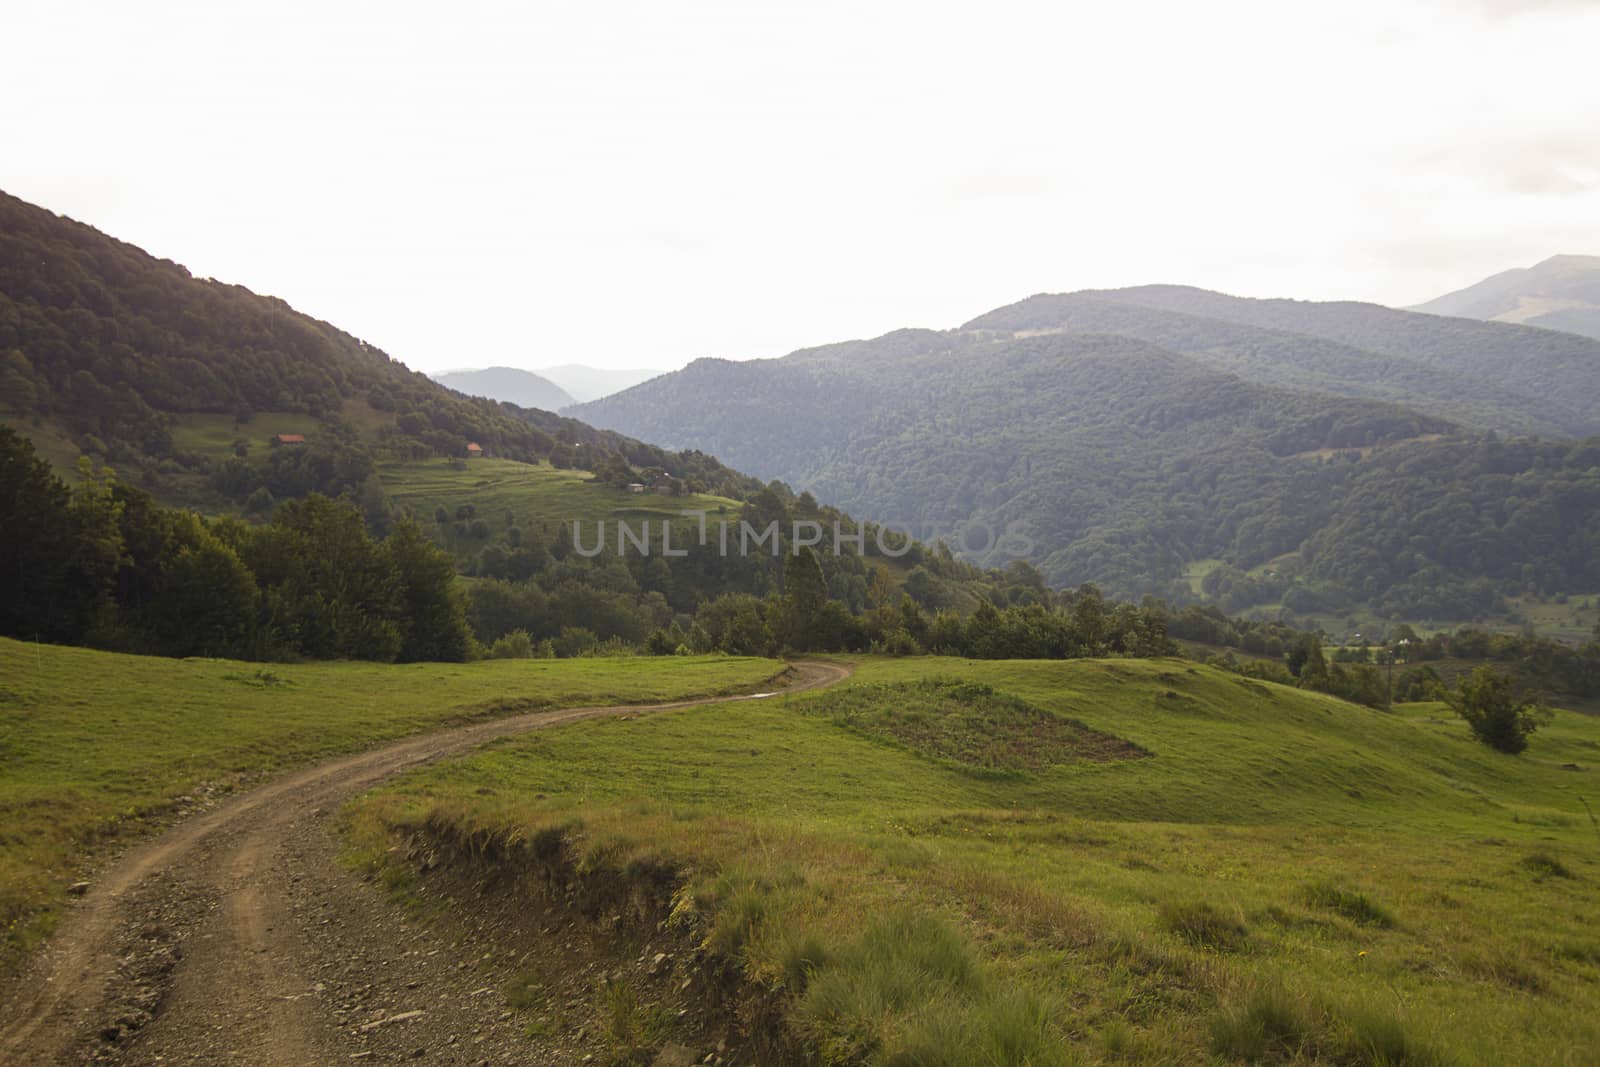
<point x="509" y="385"/>
<point x="1561" y="293"/>
<point x="1338" y="453"/>
<point x="547" y="388"/>
<point x="1495" y="376"/>
<point x="587" y="383"/>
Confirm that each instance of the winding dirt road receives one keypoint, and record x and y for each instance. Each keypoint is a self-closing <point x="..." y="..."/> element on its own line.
<point x="236" y="938"/>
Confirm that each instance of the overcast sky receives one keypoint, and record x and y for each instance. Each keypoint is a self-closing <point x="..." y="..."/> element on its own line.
<point x="640" y="184"/>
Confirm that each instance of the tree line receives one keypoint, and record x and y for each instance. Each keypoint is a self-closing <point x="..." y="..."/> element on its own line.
<point x="103" y="564"/>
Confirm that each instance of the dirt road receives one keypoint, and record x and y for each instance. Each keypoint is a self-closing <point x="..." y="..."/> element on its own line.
<point x="235" y="937"/>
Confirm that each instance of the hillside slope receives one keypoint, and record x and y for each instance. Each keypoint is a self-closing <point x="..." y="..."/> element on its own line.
<point x="182" y="383"/>
<point x="1561" y="293"/>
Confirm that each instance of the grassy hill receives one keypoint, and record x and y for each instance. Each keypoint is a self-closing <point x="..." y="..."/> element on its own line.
<point x="531" y="493"/>
<point x="98" y="748"/>
<point x="1102" y="861"/>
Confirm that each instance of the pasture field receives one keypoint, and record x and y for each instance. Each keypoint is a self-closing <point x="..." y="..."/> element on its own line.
<point x="97" y="748"/>
<point x="954" y="862"/>
<point x="533" y="494"/>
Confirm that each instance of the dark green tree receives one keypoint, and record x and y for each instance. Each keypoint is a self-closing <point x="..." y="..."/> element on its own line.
<point x="1486" y="700"/>
<point x="805" y="598"/>
<point x="433" y="621"/>
<point x="38" y="596"/>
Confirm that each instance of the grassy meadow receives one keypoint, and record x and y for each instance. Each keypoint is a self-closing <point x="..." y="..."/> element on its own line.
<point x="96" y="747"/>
<point x="952" y="862"/>
<point x="538" y="496"/>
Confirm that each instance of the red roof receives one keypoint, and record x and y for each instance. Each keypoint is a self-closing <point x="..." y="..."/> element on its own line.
<point x="473" y="446"/>
<point x="291" y="438"/>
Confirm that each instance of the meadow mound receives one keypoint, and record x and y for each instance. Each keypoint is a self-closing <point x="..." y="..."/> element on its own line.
<point x="970" y="724"/>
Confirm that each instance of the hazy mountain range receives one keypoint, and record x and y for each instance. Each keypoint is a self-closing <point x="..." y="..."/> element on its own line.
<point x="510" y="385"/>
<point x="591" y="383"/>
<point x="548" y="388"/>
<point x="1358" y="453"/>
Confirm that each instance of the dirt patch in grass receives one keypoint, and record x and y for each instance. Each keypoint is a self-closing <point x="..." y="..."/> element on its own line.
<point x="970" y="724"/>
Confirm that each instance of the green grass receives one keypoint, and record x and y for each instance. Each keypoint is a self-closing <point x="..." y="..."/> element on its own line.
<point x="1283" y="875"/>
<point x="96" y="746"/>
<point x="1357" y="907"/>
<point x="1195" y="571"/>
<point x="51" y="442"/>
<point x="540" y="496"/>
<point x="213" y="435"/>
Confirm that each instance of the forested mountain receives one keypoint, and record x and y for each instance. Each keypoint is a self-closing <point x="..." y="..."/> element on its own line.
<point x="1119" y="461"/>
<point x="1562" y="293"/>
<point x="129" y="385"/>
<point x="1315" y="456"/>
<point x="1492" y="376"/>
<point x="509" y="385"/>
<point x="119" y="355"/>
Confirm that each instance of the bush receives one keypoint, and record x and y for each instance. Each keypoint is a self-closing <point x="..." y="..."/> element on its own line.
<point x="1485" y="700"/>
<point x="514" y="645"/>
<point x="900" y="643"/>
<point x="574" y="641"/>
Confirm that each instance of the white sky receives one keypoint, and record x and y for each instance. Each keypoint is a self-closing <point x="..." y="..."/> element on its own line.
<point x="639" y="184"/>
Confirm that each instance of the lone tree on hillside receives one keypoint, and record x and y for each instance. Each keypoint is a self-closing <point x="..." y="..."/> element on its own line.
<point x="1485" y="699"/>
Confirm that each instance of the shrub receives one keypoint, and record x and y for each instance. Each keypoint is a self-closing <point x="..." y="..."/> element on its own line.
<point x="514" y="645"/>
<point x="1485" y="700"/>
<point x="574" y="641"/>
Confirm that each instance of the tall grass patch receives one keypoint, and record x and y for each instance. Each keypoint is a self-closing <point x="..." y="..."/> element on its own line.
<point x="1357" y="907"/>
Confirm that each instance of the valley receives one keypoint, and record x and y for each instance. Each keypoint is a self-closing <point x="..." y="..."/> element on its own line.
<point x="1265" y="735"/>
<point x="810" y="535"/>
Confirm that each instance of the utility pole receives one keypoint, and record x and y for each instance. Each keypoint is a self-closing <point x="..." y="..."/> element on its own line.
<point x="1388" y="698"/>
